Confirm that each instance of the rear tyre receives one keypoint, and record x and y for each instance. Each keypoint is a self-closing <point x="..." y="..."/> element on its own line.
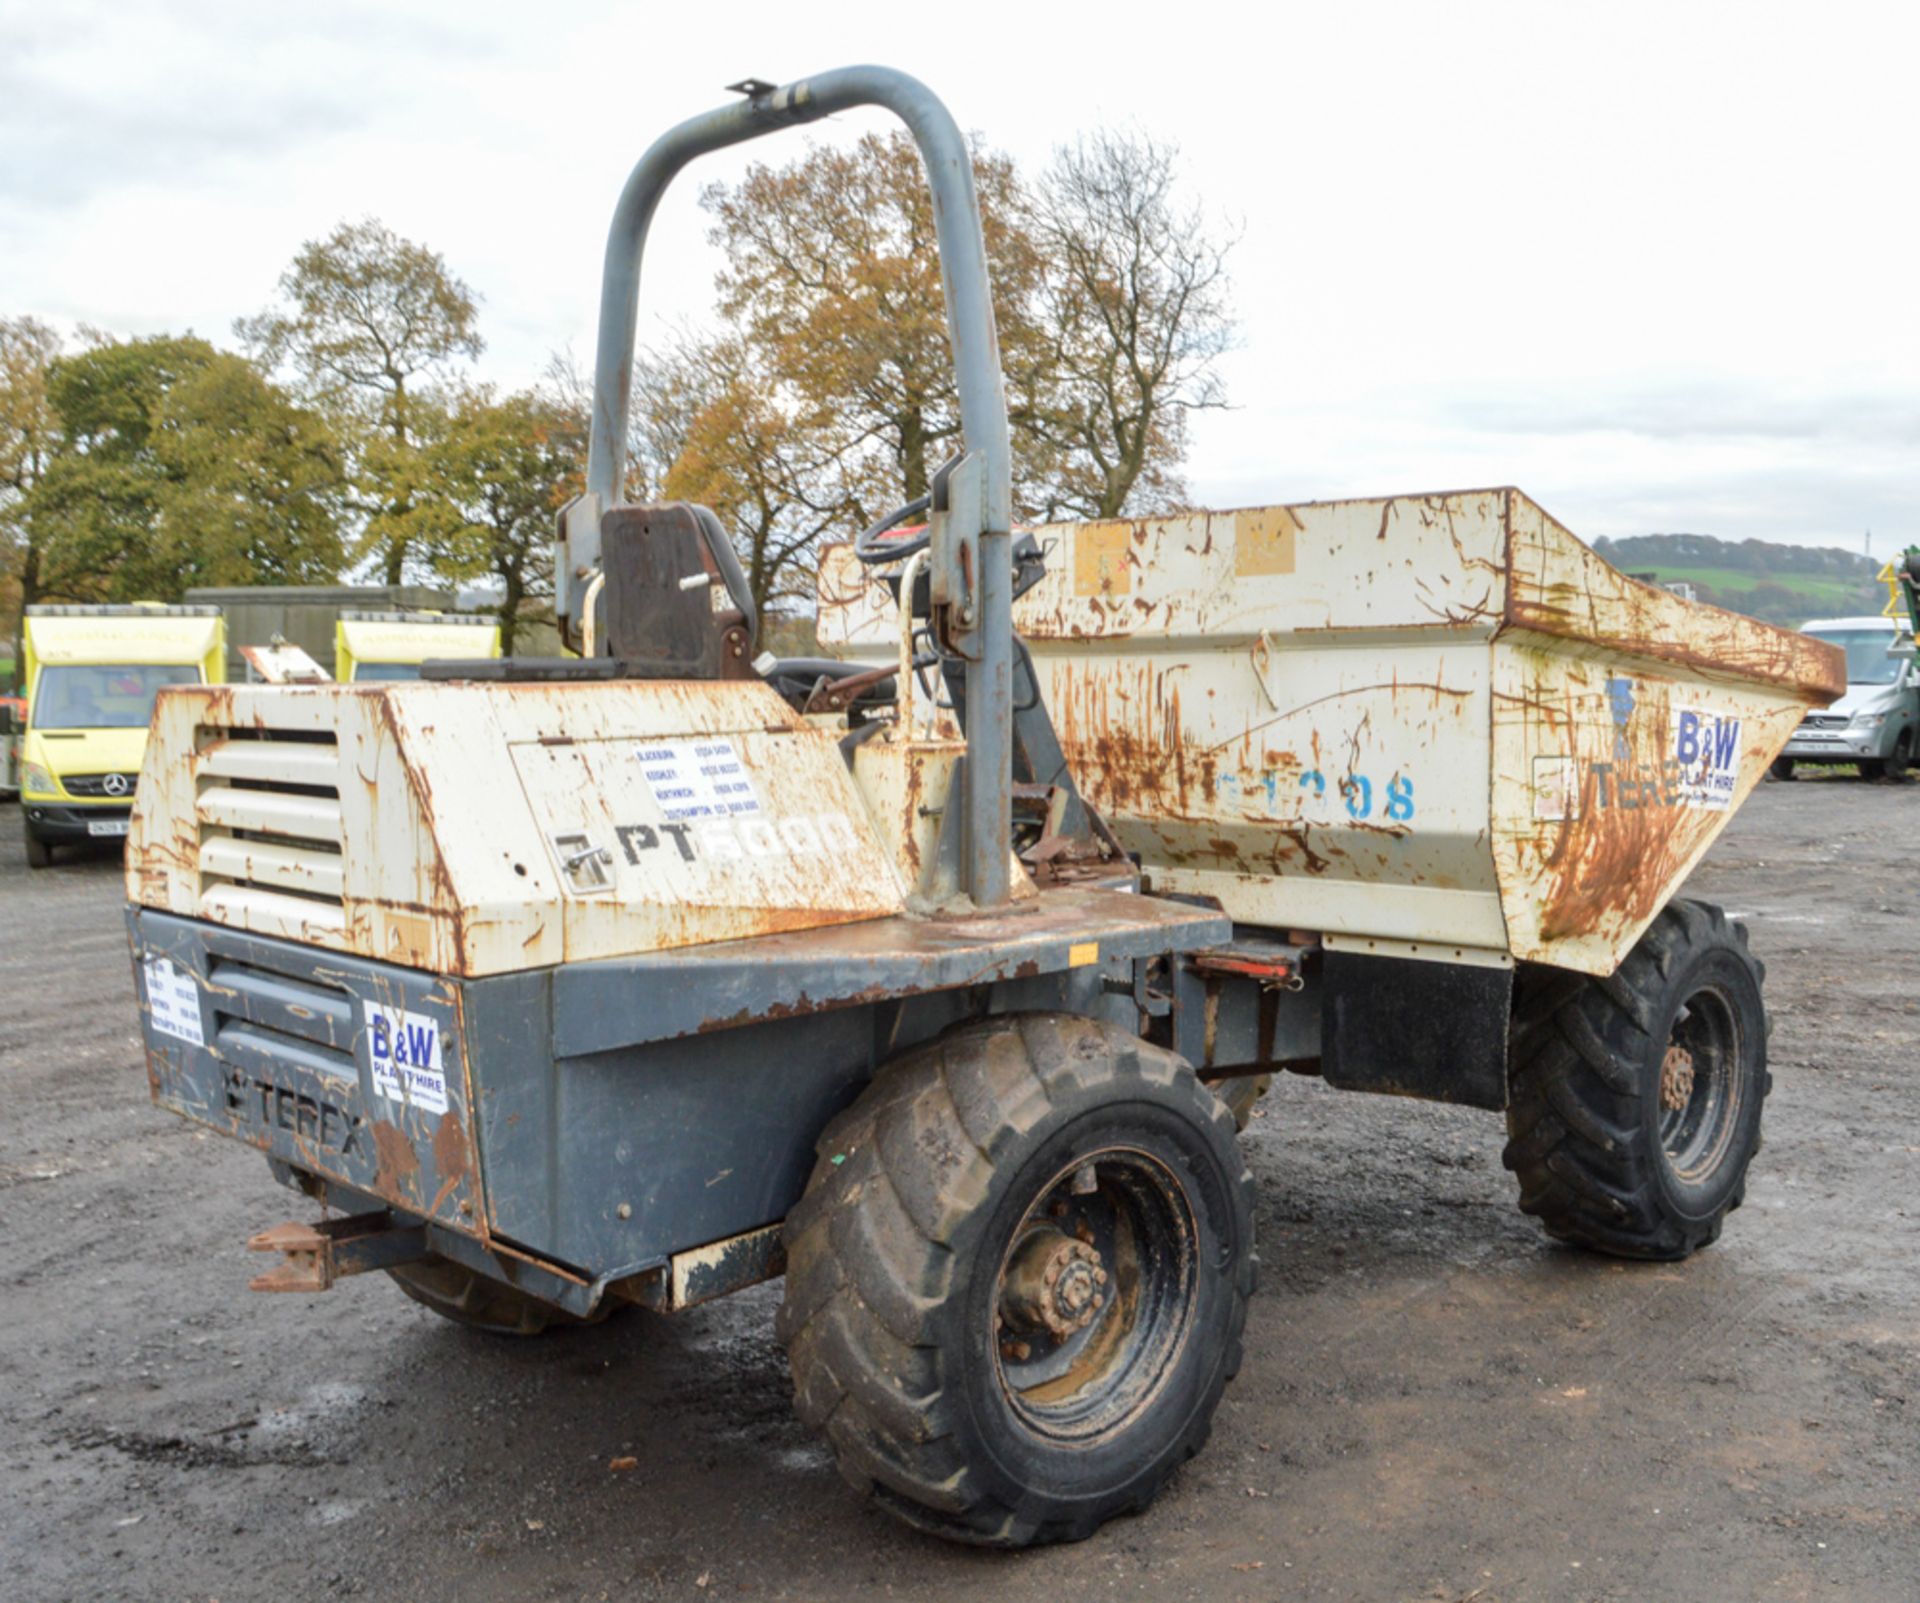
<point x="1782" y="768"/>
<point x="39" y="852"/>
<point x="455" y="1292"/>
<point x="1018" y="1280"/>
<point x="1635" y="1101"/>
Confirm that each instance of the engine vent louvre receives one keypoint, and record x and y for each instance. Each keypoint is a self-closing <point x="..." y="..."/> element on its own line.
<point x="268" y="804"/>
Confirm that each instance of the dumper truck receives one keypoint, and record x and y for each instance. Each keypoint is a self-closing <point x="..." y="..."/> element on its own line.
<point x="567" y="985"/>
<point x="91" y="674"/>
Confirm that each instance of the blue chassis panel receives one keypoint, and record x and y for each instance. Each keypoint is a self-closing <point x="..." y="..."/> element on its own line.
<point x="600" y="1136"/>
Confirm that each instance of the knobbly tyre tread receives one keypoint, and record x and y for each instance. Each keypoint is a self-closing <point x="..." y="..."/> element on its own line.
<point x="1576" y="1137"/>
<point x="457" y="1293"/>
<point x="869" y="1262"/>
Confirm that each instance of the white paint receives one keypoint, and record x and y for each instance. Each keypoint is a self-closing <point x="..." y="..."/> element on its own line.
<point x="737" y="839"/>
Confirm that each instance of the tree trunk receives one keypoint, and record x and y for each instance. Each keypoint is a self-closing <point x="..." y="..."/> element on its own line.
<point x="29" y="594"/>
<point x="510" y="603"/>
<point x="913" y="452"/>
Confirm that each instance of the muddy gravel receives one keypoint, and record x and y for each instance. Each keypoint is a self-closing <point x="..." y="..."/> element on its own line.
<point x="1437" y="1404"/>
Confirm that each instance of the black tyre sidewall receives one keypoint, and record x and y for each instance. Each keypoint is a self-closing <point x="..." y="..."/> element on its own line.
<point x="1729" y="971"/>
<point x="1055" y="1481"/>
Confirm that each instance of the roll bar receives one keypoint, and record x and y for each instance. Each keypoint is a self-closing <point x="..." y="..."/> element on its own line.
<point x="969" y="561"/>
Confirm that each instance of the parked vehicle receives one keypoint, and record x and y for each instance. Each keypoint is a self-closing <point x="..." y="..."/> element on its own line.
<point x="386" y="646"/>
<point x="643" y="976"/>
<point x="92" y="673"/>
<point x="13" y="718"/>
<point x="309" y="616"/>
<point x="1877" y="722"/>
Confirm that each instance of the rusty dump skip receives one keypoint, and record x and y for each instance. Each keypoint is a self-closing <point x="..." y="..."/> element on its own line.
<point x="1439" y="722"/>
<point x="475" y="829"/>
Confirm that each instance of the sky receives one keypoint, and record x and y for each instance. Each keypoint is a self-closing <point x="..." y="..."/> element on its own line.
<point x="1655" y="264"/>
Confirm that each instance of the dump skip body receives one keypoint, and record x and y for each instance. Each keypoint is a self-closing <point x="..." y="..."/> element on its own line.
<point x="1434" y="722"/>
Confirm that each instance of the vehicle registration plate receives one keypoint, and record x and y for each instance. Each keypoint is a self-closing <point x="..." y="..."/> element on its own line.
<point x="106" y="826"/>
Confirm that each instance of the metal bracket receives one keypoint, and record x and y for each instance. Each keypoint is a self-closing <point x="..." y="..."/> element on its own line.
<point x="577" y="532"/>
<point x="1261" y="656"/>
<point x="957" y="520"/>
<point x="319" y="1254"/>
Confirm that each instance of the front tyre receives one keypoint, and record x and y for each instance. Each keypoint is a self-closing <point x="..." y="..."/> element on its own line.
<point x="1634" y="1104"/>
<point x="39" y="853"/>
<point x="1900" y="759"/>
<point x="1017" y="1283"/>
<point x="1782" y="768"/>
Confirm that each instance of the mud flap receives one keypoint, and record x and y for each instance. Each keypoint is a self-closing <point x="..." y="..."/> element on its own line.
<point x="1418" y="1029"/>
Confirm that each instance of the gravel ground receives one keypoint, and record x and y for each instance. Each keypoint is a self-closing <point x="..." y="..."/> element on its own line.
<point x="1437" y="1404"/>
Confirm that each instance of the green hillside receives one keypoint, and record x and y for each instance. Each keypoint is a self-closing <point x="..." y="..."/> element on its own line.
<point x="1784" y="584"/>
<point x="1805" y="595"/>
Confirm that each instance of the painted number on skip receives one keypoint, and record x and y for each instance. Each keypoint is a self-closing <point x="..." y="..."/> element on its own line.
<point x="1362" y="797"/>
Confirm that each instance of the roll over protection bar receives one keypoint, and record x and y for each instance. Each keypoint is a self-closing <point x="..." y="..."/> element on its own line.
<point x="969" y="561"/>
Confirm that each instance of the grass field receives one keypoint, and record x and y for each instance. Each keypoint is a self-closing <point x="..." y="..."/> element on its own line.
<point x="1815" y="596"/>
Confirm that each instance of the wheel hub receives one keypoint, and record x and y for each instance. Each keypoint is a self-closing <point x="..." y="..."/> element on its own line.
<point x="1054" y="1285"/>
<point x="1676" y="1079"/>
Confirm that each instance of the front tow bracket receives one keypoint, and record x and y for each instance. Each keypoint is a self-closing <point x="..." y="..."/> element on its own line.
<point x="318" y="1254"/>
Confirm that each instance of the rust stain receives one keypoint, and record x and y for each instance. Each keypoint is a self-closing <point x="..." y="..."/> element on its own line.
<point x="450" y="1158"/>
<point x="1557" y="587"/>
<point x="396" y="1172"/>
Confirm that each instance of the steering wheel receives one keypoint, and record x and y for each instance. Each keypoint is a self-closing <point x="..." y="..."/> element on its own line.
<point x="871" y="549"/>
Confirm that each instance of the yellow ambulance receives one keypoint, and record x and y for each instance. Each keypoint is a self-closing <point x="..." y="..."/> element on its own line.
<point x="392" y="645"/>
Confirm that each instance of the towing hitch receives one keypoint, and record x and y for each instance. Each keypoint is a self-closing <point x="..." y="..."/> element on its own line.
<point x="318" y="1254"/>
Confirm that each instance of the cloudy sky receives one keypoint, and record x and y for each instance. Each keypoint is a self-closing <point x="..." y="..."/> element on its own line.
<point x="1656" y="264"/>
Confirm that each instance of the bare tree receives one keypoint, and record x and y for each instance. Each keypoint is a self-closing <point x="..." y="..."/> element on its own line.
<point x="1136" y="292"/>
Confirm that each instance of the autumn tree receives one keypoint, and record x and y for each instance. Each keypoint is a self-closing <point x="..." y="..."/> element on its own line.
<point x="490" y="488"/>
<point x="29" y="433"/>
<point x="832" y="277"/>
<point x="374" y="326"/>
<point x="179" y="465"/>
<point x="1135" y="300"/>
<point x="826" y="395"/>
<point x="725" y="433"/>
